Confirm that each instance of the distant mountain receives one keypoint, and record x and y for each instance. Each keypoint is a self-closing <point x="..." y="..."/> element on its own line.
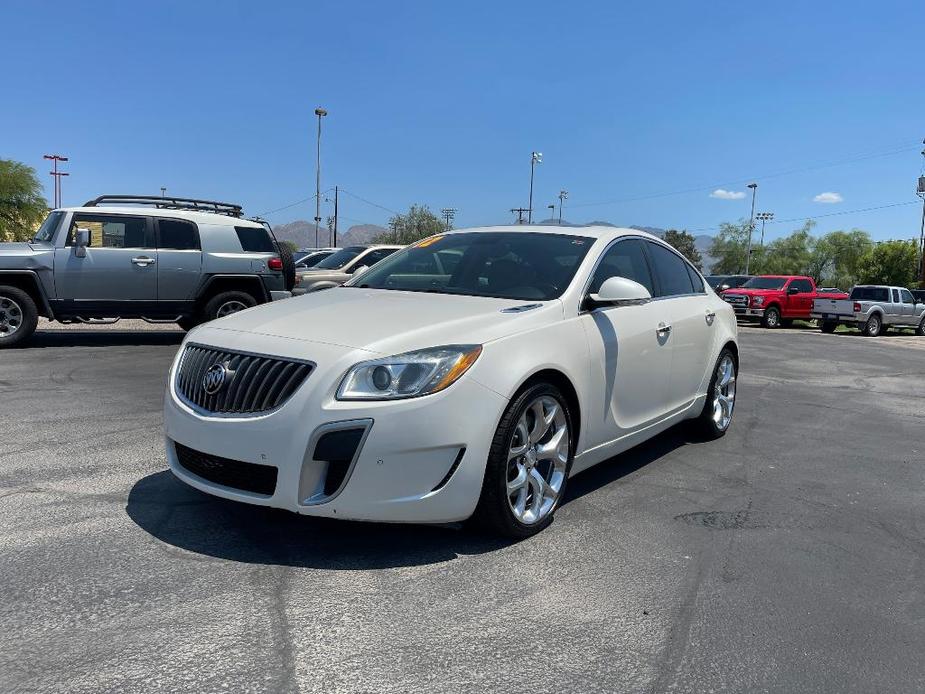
<point x="302" y="233"/>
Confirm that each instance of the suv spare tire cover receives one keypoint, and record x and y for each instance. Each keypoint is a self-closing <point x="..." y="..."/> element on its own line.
<point x="288" y="265"/>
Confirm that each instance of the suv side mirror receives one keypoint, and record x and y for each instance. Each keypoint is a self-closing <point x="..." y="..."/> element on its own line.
<point x="359" y="270"/>
<point x="81" y="241"/>
<point x="616" y="290"/>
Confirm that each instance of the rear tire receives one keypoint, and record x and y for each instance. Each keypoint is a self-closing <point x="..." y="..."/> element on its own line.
<point x="716" y="416"/>
<point x="828" y="326"/>
<point x="496" y="512"/>
<point x="18" y="316"/>
<point x="226" y="303"/>
<point x="873" y="326"/>
<point x="771" y="318"/>
<point x="920" y="331"/>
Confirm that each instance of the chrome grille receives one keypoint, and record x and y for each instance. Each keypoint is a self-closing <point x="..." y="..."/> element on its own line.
<point x="736" y="299"/>
<point x="252" y="383"/>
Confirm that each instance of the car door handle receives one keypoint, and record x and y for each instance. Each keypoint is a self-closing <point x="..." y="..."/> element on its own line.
<point x="143" y="260"/>
<point x="663" y="330"/>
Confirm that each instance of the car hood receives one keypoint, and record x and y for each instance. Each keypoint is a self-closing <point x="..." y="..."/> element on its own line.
<point x="16" y="248"/>
<point x="389" y="322"/>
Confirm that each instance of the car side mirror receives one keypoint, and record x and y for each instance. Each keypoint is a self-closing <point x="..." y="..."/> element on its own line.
<point x="359" y="270"/>
<point x="81" y="241"/>
<point x="793" y="290"/>
<point x="617" y="290"/>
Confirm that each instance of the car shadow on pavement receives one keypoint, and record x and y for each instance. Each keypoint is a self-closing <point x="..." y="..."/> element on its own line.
<point x="101" y="338"/>
<point x="184" y="517"/>
<point x="191" y="520"/>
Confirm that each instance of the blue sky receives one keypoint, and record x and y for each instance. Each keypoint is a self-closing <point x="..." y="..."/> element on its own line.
<point x="442" y="103"/>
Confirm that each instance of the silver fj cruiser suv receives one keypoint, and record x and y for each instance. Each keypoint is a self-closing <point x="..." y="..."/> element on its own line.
<point x="163" y="260"/>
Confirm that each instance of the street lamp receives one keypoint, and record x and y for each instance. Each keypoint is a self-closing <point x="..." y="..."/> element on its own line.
<point x="321" y="113"/>
<point x="56" y="175"/>
<point x="163" y="191"/>
<point x="764" y="217"/>
<point x="536" y="158"/>
<point x="563" y="195"/>
<point x="920" y="191"/>
<point x="552" y="211"/>
<point x="751" y="226"/>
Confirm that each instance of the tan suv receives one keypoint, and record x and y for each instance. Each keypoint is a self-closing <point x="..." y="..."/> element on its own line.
<point x="339" y="267"/>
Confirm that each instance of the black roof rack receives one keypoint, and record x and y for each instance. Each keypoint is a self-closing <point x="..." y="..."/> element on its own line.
<point x="168" y="203"/>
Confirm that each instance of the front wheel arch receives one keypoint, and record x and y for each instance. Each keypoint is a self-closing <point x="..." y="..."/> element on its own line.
<point x="564" y="384"/>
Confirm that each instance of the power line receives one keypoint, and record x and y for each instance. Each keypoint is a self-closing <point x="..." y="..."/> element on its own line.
<point x="777" y="174"/>
<point x="368" y="202"/>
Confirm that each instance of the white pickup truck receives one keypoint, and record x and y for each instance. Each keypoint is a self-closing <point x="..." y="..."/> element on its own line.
<point x="872" y="308"/>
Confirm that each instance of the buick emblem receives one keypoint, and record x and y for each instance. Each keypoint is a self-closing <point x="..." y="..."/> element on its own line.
<point x="216" y="378"/>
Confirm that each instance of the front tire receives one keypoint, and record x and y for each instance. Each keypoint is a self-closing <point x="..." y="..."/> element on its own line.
<point x="716" y="416"/>
<point x="771" y="318"/>
<point x="528" y="464"/>
<point x="18" y="316"/>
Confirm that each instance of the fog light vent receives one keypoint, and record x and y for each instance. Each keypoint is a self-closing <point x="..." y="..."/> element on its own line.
<point x="337" y="449"/>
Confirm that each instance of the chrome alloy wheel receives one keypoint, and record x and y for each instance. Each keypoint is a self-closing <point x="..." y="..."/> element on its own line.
<point x="230" y="307"/>
<point x="724" y="393"/>
<point x="537" y="460"/>
<point x="10" y="316"/>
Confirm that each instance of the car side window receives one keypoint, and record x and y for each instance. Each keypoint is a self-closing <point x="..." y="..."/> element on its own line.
<point x="374" y="257"/>
<point x="671" y="271"/>
<point x="108" y="231"/>
<point x="696" y="280"/>
<point x="907" y="296"/>
<point x="624" y="259"/>
<point x="255" y="240"/>
<point x="802" y="286"/>
<point x="177" y="234"/>
<point x="895" y="296"/>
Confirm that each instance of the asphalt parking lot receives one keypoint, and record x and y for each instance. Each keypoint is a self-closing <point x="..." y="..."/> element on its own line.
<point x="788" y="556"/>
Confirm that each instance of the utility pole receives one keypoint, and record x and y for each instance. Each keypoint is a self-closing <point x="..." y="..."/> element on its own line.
<point x="520" y="213"/>
<point x="334" y="242"/>
<point x="449" y="214"/>
<point x="751" y="227"/>
<point x="535" y="158"/>
<point x="563" y="195"/>
<point x="57" y="176"/>
<point x="764" y="217"/>
<point x="321" y="113"/>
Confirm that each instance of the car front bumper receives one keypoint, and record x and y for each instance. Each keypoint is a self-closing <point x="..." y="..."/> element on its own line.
<point x="419" y="460"/>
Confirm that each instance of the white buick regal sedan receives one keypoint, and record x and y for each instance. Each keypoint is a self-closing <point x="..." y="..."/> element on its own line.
<point x="467" y="376"/>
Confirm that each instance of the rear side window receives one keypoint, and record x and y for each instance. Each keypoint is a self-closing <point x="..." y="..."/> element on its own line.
<point x="255" y="240"/>
<point x="624" y="259"/>
<point x="870" y="294"/>
<point x="671" y="271"/>
<point x="178" y="235"/>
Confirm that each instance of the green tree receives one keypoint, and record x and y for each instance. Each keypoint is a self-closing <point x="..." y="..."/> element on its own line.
<point x="835" y="257"/>
<point x="729" y="248"/>
<point x="889" y="262"/>
<point x="417" y="223"/>
<point x="22" y="205"/>
<point x="684" y="243"/>
<point x="790" y="255"/>
<point x="291" y="245"/>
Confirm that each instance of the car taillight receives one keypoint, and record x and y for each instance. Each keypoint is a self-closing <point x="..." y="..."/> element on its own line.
<point x="857" y="307"/>
<point x="275" y="264"/>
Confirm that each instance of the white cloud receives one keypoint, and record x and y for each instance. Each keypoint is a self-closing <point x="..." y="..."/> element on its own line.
<point x="828" y="198"/>
<point x="727" y="194"/>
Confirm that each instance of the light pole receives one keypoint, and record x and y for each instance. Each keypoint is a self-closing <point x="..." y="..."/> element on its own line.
<point x="163" y="191"/>
<point x="449" y="214"/>
<point x="751" y="227"/>
<point x="536" y="158"/>
<point x="321" y="113"/>
<point x="920" y="191"/>
<point x="56" y="175"/>
<point x="764" y="217"/>
<point x="552" y="211"/>
<point x="563" y="195"/>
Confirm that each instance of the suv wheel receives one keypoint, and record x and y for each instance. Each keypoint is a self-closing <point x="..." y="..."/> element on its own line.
<point x="528" y="464"/>
<point x="18" y="316"/>
<point x="226" y="303"/>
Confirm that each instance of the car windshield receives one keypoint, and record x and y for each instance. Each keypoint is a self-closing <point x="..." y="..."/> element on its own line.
<point x="337" y="260"/>
<point x="46" y="232"/>
<point x="507" y="265"/>
<point x="312" y="259"/>
<point x="765" y="283"/>
<point x="715" y="280"/>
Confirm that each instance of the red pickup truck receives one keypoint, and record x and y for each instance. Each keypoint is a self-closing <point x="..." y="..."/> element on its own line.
<point x="776" y="300"/>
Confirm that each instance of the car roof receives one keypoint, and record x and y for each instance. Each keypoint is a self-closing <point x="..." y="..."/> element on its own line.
<point x="594" y="232"/>
<point x="192" y="216"/>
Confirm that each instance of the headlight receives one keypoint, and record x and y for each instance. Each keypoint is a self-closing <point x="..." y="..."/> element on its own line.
<point x="757" y="301"/>
<point x="408" y="375"/>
